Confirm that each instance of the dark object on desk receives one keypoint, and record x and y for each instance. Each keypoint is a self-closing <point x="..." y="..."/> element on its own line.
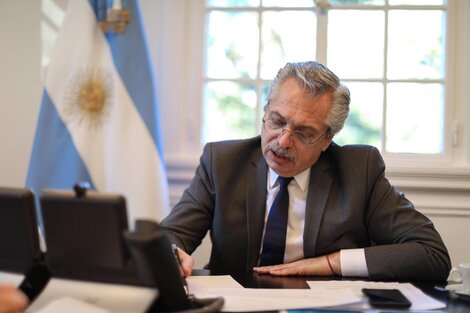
<point x="83" y="232"/>
<point x="386" y="298"/>
<point x="157" y="265"/>
<point x="19" y="239"/>
<point x="81" y="189"/>
<point x="462" y="295"/>
<point x="35" y="281"/>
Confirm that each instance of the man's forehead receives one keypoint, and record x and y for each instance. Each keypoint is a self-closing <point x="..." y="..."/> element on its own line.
<point x="289" y="87"/>
<point x="301" y="111"/>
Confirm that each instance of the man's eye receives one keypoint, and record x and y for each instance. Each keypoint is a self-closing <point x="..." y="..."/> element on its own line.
<point x="277" y="123"/>
<point x="302" y="136"/>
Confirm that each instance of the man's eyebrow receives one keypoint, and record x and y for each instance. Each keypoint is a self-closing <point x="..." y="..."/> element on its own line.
<point x="276" y="114"/>
<point x="304" y="128"/>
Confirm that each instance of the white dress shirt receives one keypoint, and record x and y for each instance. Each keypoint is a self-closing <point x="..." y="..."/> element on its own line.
<point x="353" y="261"/>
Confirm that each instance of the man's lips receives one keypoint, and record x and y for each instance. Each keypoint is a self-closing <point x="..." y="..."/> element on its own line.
<point x="278" y="157"/>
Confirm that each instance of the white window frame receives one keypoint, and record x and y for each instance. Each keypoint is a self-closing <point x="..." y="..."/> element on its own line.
<point x="179" y="67"/>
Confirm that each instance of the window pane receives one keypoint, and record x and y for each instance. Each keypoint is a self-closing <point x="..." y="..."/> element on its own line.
<point x="232" y="45"/>
<point x="364" y="122"/>
<point x="290" y="3"/>
<point x="287" y="36"/>
<point x="356" y="43"/>
<point x="229" y="111"/>
<point x="415" y="118"/>
<point x="264" y="100"/>
<point x="362" y="2"/>
<point x="233" y="3"/>
<point x="416" y="48"/>
<point x="417" y="2"/>
<point x="264" y="93"/>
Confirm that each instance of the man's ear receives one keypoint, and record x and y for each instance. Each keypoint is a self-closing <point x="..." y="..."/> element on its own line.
<point x="326" y="144"/>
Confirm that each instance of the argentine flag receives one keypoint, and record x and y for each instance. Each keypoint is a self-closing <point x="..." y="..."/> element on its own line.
<point x="98" y="120"/>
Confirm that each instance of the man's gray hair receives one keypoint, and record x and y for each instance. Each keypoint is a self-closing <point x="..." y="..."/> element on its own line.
<point x="317" y="80"/>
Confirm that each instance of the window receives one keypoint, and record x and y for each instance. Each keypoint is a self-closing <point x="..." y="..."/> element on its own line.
<point x="390" y="53"/>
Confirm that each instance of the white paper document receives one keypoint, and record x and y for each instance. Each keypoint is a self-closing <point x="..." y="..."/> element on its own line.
<point x="11" y="278"/>
<point x="70" y="305"/>
<point x="237" y="298"/>
<point x="198" y="284"/>
<point x="420" y="301"/>
<point x="103" y="297"/>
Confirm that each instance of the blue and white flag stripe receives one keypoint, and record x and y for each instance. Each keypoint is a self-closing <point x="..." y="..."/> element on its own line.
<point x="47" y="167"/>
<point x="117" y="150"/>
<point x="133" y="64"/>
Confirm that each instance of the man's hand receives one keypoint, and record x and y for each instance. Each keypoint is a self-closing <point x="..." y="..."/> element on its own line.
<point x="12" y="300"/>
<point x="306" y="267"/>
<point x="187" y="262"/>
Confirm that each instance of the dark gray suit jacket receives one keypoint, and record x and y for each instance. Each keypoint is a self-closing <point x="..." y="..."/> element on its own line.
<point x="350" y="204"/>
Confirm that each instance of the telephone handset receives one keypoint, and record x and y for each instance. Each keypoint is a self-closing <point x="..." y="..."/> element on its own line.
<point x="157" y="266"/>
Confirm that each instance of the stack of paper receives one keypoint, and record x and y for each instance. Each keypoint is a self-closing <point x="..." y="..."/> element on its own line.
<point x="238" y="299"/>
<point x="420" y="301"/>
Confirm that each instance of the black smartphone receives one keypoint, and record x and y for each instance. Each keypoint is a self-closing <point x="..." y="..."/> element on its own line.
<point x="386" y="298"/>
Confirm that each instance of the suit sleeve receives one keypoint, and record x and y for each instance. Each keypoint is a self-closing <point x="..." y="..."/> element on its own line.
<point x="406" y="244"/>
<point x="191" y="218"/>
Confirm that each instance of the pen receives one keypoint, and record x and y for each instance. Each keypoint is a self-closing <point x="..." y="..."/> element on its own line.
<point x="178" y="261"/>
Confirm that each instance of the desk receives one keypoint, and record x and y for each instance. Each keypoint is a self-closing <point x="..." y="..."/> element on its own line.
<point x="253" y="280"/>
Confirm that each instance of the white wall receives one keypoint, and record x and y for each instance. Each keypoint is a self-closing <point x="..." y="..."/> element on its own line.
<point x="21" y="86"/>
<point x="445" y="199"/>
<point x="20" y="89"/>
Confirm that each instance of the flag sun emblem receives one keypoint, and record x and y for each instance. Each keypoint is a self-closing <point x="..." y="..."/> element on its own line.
<point x="89" y="98"/>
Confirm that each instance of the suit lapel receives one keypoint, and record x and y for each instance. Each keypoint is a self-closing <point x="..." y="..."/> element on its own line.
<point x="255" y="208"/>
<point x="318" y="191"/>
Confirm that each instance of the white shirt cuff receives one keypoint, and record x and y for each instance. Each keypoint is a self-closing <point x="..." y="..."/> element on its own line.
<point x="353" y="263"/>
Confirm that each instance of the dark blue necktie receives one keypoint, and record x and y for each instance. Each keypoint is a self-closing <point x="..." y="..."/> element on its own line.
<point x="274" y="242"/>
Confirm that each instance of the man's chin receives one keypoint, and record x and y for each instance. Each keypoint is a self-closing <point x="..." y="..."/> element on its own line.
<point x="282" y="168"/>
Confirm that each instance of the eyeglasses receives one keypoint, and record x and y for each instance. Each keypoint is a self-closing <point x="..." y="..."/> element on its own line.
<point x="275" y="124"/>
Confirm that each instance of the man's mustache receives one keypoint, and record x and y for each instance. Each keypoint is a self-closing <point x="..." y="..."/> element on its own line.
<point x="281" y="151"/>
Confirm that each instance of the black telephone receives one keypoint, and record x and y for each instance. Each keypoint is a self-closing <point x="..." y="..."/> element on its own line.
<point x="157" y="266"/>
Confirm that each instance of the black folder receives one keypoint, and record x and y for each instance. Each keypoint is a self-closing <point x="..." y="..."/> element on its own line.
<point x="19" y="239"/>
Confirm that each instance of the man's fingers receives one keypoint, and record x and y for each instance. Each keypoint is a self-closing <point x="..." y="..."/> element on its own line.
<point x="187" y="262"/>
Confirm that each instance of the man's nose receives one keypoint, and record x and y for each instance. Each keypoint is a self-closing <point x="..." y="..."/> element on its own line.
<point x="285" y="138"/>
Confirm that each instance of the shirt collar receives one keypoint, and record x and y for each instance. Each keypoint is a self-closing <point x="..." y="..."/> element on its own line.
<point x="302" y="179"/>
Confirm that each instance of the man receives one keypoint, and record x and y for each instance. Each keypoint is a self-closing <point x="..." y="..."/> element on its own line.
<point x="344" y="217"/>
